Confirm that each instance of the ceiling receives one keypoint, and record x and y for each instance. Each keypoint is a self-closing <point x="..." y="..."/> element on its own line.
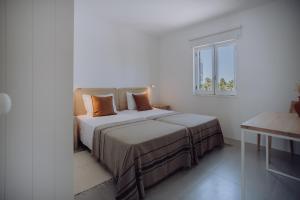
<point x="161" y="16"/>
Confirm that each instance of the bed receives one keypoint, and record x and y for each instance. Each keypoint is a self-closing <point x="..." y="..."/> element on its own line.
<point x="205" y="131"/>
<point x="139" y="152"/>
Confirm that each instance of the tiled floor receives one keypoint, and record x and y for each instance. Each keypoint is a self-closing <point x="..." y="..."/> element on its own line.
<point x="217" y="177"/>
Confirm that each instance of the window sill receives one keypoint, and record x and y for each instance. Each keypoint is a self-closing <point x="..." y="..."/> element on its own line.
<point x="216" y="95"/>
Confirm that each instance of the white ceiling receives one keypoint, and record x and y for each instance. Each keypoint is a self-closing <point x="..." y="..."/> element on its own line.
<point x="161" y="16"/>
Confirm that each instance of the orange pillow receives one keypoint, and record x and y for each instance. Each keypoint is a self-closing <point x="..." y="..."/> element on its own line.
<point x="102" y="106"/>
<point x="142" y="102"/>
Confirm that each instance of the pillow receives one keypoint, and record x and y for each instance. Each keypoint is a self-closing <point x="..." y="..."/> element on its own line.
<point x="142" y="102"/>
<point x="87" y="101"/>
<point x="102" y="106"/>
<point x="130" y="100"/>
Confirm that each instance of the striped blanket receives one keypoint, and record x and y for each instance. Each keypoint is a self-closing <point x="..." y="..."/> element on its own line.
<point x="140" y="153"/>
<point x="205" y="131"/>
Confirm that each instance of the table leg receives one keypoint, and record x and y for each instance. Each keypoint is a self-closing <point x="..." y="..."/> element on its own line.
<point x="267" y="152"/>
<point x="243" y="189"/>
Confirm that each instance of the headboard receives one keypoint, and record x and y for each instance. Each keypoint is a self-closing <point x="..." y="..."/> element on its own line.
<point x="120" y="100"/>
<point x="122" y="95"/>
<point x="79" y="108"/>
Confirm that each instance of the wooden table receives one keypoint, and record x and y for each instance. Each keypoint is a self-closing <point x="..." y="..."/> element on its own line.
<point x="280" y="125"/>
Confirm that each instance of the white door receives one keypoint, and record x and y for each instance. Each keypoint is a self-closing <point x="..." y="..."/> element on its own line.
<point x="36" y="39"/>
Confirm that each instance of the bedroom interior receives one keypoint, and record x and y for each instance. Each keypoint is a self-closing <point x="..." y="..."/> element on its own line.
<point x="151" y="100"/>
<point x="164" y="58"/>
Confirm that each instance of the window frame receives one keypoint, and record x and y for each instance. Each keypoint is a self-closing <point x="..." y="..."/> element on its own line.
<point x="196" y="71"/>
<point x="215" y="75"/>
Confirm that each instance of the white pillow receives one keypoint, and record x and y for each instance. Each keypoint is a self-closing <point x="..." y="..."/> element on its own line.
<point x="87" y="101"/>
<point x="88" y="104"/>
<point x="130" y="100"/>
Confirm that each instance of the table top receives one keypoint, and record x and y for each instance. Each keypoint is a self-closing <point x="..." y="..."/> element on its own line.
<point x="286" y="124"/>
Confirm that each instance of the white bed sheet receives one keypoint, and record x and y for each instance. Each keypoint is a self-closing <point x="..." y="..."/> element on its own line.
<point x="147" y="113"/>
<point x="88" y="124"/>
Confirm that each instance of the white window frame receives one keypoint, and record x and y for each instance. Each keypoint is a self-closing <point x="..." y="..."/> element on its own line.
<point x="196" y="71"/>
<point x="215" y="77"/>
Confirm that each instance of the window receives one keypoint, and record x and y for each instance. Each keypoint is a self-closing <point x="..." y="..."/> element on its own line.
<point x="214" y="69"/>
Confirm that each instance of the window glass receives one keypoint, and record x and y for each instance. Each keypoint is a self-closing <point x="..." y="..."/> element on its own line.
<point x="226" y="68"/>
<point x="206" y="69"/>
<point x="214" y="69"/>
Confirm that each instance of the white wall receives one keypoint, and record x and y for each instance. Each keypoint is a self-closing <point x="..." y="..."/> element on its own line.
<point x="268" y="66"/>
<point x="111" y="55"/>
<point x="36" y="71"/>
